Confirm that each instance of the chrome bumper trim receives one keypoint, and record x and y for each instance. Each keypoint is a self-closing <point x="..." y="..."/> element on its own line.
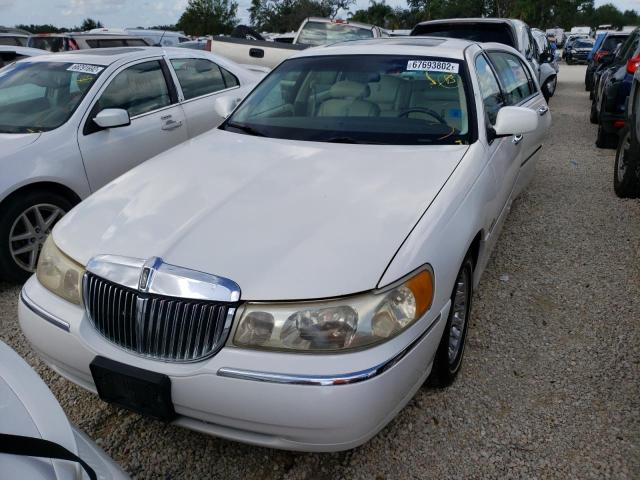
<point x="322" y="380"/>
<point x="52" y="319"/>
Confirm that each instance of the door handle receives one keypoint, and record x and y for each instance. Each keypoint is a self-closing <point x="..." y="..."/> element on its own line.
<point x="543" y="110"/>
<point x="171" y="125"/>
<point x="517" y="139"/>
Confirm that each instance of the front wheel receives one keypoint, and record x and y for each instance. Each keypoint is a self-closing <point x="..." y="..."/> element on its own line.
<point x="626" y="174"/>
<point x="448" y="359"/>
<point x="25" y="222"/>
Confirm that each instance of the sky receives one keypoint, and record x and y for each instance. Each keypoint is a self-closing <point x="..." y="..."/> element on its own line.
<point x="133" y="13"/>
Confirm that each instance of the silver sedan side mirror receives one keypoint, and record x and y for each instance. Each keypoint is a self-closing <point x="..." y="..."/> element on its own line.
<point x="515" y="121"/>
<point x="112" y="118"/>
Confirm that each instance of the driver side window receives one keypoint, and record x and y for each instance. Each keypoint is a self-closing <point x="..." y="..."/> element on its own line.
<point x="138" y="89"/>
<point x="489" y="88"/>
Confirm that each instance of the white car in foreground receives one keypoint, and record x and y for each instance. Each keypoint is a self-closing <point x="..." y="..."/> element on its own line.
<point x="37" y="442"/>
<point x="71" y="122"/>
<point x="293" y="277"/>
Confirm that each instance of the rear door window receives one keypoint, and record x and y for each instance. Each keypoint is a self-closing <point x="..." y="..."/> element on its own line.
<point x="516" y="81"/>
<point x="198" y="76"/>
<point x="478" y="32"/>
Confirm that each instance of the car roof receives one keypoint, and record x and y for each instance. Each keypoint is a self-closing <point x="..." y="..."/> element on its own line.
<point x="415" y="45"/>
<point x="108" y="56"/>
<point x="510" y="21"/>
<point x="101" y="56"/>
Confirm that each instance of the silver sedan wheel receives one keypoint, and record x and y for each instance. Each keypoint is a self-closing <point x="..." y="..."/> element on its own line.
<point x="459" y="317"/>
<point x="622" y="156"/>
<point x="29" y="231"/>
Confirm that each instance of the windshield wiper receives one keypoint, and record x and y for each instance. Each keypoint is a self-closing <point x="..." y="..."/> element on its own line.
<point x="343" y="140"/>
<point x="245" y="128"/>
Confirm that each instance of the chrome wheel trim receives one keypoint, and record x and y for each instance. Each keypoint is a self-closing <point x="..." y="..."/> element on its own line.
<point x="458" y="317"/>
<point x="621" y="154"/>
<point x="29" y="231"/>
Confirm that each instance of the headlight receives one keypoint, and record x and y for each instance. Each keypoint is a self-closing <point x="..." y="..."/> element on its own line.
<point x="59" y="273"/>
<point x="337" y="324"/>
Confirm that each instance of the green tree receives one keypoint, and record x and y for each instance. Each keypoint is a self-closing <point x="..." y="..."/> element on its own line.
<point x="204" y="17"/>
<point x="90" y="24"/>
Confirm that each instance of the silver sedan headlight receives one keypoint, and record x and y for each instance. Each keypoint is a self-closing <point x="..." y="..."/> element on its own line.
<point x="60" y="274"/>
<point x="338" y="324"/>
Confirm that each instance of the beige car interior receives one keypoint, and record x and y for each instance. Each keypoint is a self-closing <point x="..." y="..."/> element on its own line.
<point x="391" y="96"/>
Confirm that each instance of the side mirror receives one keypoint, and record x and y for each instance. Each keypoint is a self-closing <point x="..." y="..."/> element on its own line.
<point x="112" y="118"/>
<point x="515" y="121"/>
<point x="223" y="106"/>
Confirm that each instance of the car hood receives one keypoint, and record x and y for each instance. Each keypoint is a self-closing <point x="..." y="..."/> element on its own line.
<point x="11" y="143"/>
<point x="283" y="219"/>
<point x="28" y="408"/>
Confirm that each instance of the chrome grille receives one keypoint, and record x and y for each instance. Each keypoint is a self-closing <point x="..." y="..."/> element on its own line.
<point x="165" y="328"/>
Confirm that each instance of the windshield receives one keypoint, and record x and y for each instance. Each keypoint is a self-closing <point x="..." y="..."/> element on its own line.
<point x="321" y="33"/>
<point x="53" y="44"/>
<point x="377" y="99"/>
<point x="41" y="96"/>
<point x="611" y="42"/>
<point x="583" y="44"/>
<point x="476" y="32"/>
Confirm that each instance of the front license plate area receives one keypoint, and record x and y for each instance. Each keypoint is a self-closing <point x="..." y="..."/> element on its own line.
<point x="138" y="390"/>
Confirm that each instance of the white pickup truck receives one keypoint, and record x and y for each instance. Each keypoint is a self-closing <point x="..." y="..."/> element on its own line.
<point x="313" y="32"/>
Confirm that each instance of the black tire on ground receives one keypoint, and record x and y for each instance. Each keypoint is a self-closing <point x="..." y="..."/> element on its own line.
<point x="10" y="212"/>
<point x="626" y="171"/>
<point x="593" y="115"/>
<point x="605" y="139"/>
<point x="444" y="370"/>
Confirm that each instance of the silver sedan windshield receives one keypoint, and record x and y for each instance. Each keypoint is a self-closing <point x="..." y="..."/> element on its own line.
<point x="41" y="96"/>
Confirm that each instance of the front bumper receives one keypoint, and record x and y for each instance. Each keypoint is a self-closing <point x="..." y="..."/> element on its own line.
<point x="230" y="394"/>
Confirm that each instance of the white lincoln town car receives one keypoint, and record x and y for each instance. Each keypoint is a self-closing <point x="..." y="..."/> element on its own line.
<point x="291" y="278"/>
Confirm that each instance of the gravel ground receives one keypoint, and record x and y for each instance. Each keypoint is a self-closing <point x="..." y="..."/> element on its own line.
<point x="551" y="383"/>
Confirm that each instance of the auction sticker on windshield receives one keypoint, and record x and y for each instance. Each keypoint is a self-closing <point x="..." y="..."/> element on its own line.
<point x="432" y="66"/>
<point x="84" y="68"/>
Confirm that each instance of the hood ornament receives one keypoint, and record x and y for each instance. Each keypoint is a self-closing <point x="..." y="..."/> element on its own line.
<point x="154" y="276"/>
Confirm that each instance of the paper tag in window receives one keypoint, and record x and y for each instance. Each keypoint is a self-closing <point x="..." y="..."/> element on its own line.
<point x="432" y="66"/>
<point x="84" y="68"/>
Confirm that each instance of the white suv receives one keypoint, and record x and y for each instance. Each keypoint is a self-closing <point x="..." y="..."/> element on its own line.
<point x="58" y="135"/>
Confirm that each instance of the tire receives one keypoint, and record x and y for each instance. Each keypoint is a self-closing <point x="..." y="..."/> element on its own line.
<point x="626" y="172"/>
<point x="446" y="365"/>
<point x="593" y="115"/>
<point x="16" y="263"/>
<point x="605" y="139"/>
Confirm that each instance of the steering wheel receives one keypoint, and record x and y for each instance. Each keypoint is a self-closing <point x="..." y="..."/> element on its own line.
<point x="427" y="111"/>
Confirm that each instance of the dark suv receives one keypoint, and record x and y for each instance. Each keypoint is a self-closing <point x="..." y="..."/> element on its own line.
<point x="607" y="46"/>
<point x="578" y="51"/>
<point x="626" y="176"/>
<point x="612" y="90"/>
